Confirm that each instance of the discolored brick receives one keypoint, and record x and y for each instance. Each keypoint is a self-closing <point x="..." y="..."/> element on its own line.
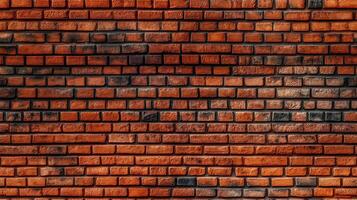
<point x="315" y="4"/>
<point x="281" y="116"/>
<point x="150" y="117"/>
<point x="186" y="181"/>
<point x="306" y="181"/>
<point x="118" y="81"/>
<point x="316" y="116"/>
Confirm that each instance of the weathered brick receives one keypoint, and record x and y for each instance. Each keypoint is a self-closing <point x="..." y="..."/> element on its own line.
<point x="316" y="116"/>
<point x="306" y="181"/>
<point x="186" y="181"/>
<point x="315" y="4"/>
<point x="281" y="116"/>
<point x="7" y="92"/>
<point x="150" y="117"/>
<point x="254" y="193"/>
<point x="118" y="81"/>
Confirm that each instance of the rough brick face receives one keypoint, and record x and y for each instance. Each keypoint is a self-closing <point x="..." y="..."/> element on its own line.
<point x="191" y="99"/>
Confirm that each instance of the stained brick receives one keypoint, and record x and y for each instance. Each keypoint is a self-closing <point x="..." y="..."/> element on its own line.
<point x="315" y="4"/>
<point x="229" y="193"/>
<point x="150" y="117"/>
<point x="306" y="181"/>
<point x="7" y="93"/>
<point x="281" y="116"/>
<point x="186" y="181"/>
<point x="118" y="81"/>
<point x="316" y="116"/>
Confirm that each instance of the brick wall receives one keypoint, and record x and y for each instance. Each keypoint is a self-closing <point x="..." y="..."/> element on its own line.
<point x="178" y="98"/>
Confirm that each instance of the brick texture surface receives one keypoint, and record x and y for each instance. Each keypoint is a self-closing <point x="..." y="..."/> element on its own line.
<point x="161" y="99"/>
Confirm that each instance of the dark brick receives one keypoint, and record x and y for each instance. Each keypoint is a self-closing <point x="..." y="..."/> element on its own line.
<point x="293" y="60"/>
<point x="315" y="4"/>
<point x="61" y="171"/>
<point x="134" y="48"/>
<point x="53" y="149"/>
<point x="8" y="49"/>
<point x="98" y="60"/>
<point x="333" y="116"/>
<point x="116" y="37"/>
<point x="306" y="181"/>
<point x="108" y="48"/>
<point x="61" y="70"/>
<point x="39" y="70"/>
<point x="75" y="37"/>
<point x="150" y="117"/>
<point x="13" y="116"/>
<point x="153" y="59"/>
<point x="257" y="60"/>
<point x="27" y="70"/>
<point x="316" y="116"/>
<point x="50" y="116"/>
<point x="8" y="70"/>
<point x="118" y="81"/>
<point x="351" y="81"/>
<point x="346" y="81"/>
<point x="281" y="116"/>
<point x="83" y="49"/>
<point x="3" y="81"/>
<point x="206" y="116"/>
<point x="62" y="161"/>
<point x="186" y="181"/>
<point x="136" y="60"/>
<point x="313" y="60"/>
<point x="274" y="60"/>
<point x="7" y="92"/>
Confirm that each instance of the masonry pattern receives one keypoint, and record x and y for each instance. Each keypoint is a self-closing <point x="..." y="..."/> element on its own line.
<point x="184" y="99"/>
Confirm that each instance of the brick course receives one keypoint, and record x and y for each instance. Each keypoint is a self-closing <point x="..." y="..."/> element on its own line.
<point x="208" y="99"/>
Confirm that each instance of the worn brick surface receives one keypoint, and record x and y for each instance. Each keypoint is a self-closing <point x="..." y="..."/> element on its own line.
<point x="160" y="99"/>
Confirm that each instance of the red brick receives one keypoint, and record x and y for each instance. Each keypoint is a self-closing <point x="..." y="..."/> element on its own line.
<point x="97" y="3"/>
<point x="221" y="91"/>
<point x="4" y="4"/>
<point x="21" y="3"/>
<point x="38" y="49"/>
